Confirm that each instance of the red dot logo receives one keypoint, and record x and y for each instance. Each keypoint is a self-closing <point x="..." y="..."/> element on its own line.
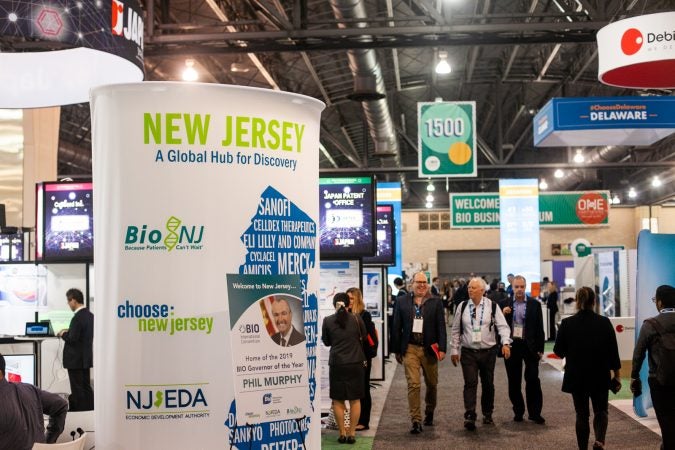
<point x="631" y="41"/>
<point x="619" y="328"/>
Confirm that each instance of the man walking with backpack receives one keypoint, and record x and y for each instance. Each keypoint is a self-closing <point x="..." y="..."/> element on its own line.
<point x="478" y="324"/>
<point x="657" y="336"/>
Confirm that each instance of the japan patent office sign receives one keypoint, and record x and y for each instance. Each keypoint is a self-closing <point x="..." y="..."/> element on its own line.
<point x="556" y="209"/>
<point x="446" y="134"/>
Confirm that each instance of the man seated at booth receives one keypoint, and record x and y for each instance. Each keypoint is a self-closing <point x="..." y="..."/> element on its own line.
<point x="21" y="414"/>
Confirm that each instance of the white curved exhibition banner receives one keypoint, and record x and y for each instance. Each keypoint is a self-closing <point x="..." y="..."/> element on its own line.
<point x="206" y="260"/>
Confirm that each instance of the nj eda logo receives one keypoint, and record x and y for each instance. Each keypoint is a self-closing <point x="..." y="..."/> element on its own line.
<point x="171" y="399"/>
<point x="133" y="31"/>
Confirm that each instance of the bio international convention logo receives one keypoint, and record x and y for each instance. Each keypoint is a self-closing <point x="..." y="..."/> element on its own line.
<point x="174" y="236"/>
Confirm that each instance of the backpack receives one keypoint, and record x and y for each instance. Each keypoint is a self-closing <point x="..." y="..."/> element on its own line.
<point x="492" y="322"/>
<point x="371" y="342"/>
<point x="663" y="349"/>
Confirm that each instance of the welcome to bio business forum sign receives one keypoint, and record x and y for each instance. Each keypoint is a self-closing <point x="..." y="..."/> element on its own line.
<point x="556" y="209"/>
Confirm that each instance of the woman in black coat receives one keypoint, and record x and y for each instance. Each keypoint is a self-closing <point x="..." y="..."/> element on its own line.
<point x="588" y="342"/>
<point x="552" y="304"/>
<point x="343" y="333"/>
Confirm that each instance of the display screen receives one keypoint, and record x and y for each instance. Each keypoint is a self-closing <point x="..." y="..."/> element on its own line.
<point x="11" y="247"/>
<point x="20" y="368"/>
<point x="68" y="222"/>
<point x="385" y="235"/>
<point x="347" y="217"/>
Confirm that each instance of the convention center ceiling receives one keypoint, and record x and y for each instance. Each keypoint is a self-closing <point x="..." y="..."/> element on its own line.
<point x="510" y="57"/>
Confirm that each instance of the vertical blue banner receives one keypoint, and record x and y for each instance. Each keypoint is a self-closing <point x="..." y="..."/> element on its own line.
<point x="519" y="228"/>
<point x="655" y="266"/>
<point x="391" y="193"/>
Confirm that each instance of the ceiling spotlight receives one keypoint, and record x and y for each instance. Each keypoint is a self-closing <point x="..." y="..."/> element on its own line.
<point x="615" y="200"/>
<point x="443" y="66"/>
<point x="239" y="67"/>
<point x="579" y="157"/>
<point x="429" y="205"/>
<point x="543" y="185"/>
<point x="558" y="173"/>
<point x="431" y="187"/>
<point x="656" y="182"/>
<point x="430" y="198"/>
<point x="632" y="193"/>
<point x="190" y="74"/>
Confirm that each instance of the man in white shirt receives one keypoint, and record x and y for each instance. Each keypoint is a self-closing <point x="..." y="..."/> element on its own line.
<point x="477" y="323"/>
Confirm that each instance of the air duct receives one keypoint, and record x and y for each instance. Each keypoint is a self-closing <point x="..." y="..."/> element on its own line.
<point x="600" y="155"/>
<point x="369" y="87"/>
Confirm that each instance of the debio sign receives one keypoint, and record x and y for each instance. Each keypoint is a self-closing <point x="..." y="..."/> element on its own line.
<point x="556" y="209"/>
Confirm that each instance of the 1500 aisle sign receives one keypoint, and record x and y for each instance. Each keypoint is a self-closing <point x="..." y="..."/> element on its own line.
<point x="556" y="209"/>
<point x="446" y="134"/>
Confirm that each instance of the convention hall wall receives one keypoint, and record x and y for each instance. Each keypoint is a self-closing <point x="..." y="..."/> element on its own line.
<point x="421" y="246"/>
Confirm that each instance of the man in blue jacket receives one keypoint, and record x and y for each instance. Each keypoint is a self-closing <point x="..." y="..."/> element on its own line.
<point x="419" y="341"/>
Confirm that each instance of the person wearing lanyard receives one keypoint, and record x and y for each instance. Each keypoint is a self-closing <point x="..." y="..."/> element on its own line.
<point x="650" y="339"/>
<point x="419" y="340"/>
<point x="523" y="315"/>
<point x="474" y="331"/>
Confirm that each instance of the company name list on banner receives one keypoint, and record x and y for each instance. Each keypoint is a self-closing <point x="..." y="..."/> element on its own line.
<point x="206" y="233"/>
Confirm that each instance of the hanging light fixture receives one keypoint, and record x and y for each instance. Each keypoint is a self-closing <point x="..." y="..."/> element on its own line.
<point x="429" y="205"/>
<point x="558" y="173"/>
<point x="443" y="66"/>
<point x="632" y="193"/>
<point x="430" y="198"/>
<point x="543" y="185"/>
<point x="616" y="200"/>
<point x="579" y="157"/>
<point x="431" y="187"/>
<point x="190" y="73"/>
<point x="656" y="182"/>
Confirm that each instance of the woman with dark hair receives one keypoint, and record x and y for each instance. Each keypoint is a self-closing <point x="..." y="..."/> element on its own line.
<point x="358" y="307"/>
<point x="552" y="305"/>
<point x="588" y="342"/>
<point x="344" y="332"/>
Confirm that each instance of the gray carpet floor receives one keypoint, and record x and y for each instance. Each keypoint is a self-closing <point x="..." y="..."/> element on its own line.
<point x="448" y="431"/>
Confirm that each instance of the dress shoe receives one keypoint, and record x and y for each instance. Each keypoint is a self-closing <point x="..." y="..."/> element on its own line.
<point x="470" y="424"/>
<point x="351" y="440"/>
<point x="360" y="427"/>
<point x="518" y="418"/>
<point x="538" y="420"/>
<point x="487" y="420"/>
<point x="342" y="439"/>
<point x="416" y="428"/>
<point x="429" y="420"/>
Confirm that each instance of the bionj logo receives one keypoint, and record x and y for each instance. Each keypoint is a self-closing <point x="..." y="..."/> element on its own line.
<point x="631" y="41"/>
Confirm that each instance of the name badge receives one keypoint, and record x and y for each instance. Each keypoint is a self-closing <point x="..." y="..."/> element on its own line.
<point x="517" y="331"/>
<point x="417" y="325"/>
<point x="476" y="336"/>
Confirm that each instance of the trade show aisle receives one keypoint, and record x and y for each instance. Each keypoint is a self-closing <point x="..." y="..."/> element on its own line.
<point x="448" y="431"/>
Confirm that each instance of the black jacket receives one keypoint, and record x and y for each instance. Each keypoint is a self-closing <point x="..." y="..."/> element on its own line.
<point x="534" y="324"/>
<point x="433" y="329"/>
<point x="588" y="342"/>
<point x="78" y="352"/>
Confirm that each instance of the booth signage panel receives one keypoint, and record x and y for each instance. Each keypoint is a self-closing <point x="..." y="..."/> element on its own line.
<point x="604" y="121"/>
<point x="556" y="209"/>
<point x="390" y="193"/>
<point x="638" y="52"/>
<point x="197" y="223"/>
<point x="447" y="139"/>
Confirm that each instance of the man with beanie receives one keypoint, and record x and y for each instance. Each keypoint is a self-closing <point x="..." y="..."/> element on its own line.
<point x="657" y="336"/>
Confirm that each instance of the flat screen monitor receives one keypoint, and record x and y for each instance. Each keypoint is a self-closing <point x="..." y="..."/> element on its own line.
<point x="68" y="222"/>
<point x="347" y="217"/>
<point x="11" y="247"/>
<point x="20" y="368"/>
<point x="385" y="235"/>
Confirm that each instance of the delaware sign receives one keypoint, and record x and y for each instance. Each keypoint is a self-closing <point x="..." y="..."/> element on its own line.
<point x="446" y="136"/>
<point x="556" y="209"/>
<point x="604" y="121"/>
